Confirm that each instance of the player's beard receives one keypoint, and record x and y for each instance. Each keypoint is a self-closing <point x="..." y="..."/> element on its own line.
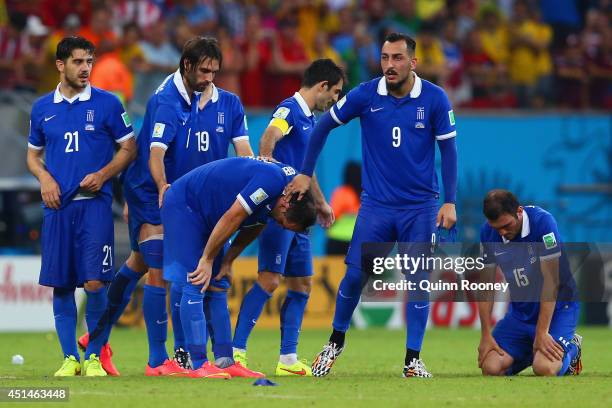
<point x="75" y="82"/>
<point x="394" y="86"/>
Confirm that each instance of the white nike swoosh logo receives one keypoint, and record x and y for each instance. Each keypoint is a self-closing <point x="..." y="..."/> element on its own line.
<point x="193" y="303"/>
<point x="254" y="321"/>
<point x="499" y="253"/>
<point x="376" y="110"/>
<point x="341" y="295"/>
<point x="165" y="321"/>
<point x="177" y="305"/>
<point x="420" y="307"/>
<point x="106" y="270"/>
<point x="305" y="127"/>
<point x="49" y="118"/>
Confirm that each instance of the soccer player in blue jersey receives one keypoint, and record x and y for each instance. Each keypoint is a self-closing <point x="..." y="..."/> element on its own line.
<point x="283" y="251"/>
<point x="201" y="211"/>
<point x="77" y="128"/>
<point x="539" y="329"/>
<point x="188" y="122"/>
<point x="402" y="117"/>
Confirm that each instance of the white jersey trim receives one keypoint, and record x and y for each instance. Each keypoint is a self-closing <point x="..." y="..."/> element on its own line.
<point x="447" y="136"/>
<point x="245" y="205"/>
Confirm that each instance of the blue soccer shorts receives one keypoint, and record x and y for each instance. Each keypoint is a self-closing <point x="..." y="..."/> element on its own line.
<point x="285" y="252"/>
<point x="78" y="244"/>
<point x="143" y="208"/>
<point x="516" y="337"/>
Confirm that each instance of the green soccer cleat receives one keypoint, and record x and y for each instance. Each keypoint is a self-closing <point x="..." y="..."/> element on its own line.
<point x="70" y="368"/>
<point x="299" y="368"/>
<point x="241" y="357"/>
<point x="93" y="368"/>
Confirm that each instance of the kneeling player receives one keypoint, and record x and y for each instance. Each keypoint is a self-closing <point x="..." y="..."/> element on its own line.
<point x="539" y="327"/>
<point x="201" y="211"/>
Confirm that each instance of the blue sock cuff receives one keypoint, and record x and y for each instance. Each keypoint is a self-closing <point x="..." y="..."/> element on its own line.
<point x="296" y="294"/>
<point x="129" y="273"/>
<point x="155" y="290"/>
<point x="257" y="287"/>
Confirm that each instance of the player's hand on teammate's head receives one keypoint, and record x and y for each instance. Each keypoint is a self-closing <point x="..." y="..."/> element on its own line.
<point x="202" y="274"/>
<point x="300" y="184"/>
<point x="162" y="192"/>
<point x="93" y="182"/>
<point x="50" y="192"/>
<point x="447" y="216"/>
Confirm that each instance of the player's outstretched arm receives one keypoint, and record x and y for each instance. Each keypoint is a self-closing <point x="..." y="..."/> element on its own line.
<point x="243" y="148"/>
<point x="485" y="307"/>
<point x="242" y="240"/>
<point x="268" y="141"/>
<point x="325" y="213"/>
<point x="125" y="155"/>
<point x="225" y="227"/>
<point x="544" y="342"/>
<point x="49" y="189"/>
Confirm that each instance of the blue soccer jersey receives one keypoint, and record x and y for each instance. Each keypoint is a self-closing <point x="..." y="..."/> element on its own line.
<point x="210" y="190"/>
<point x="398" y="140"/>
<point x="78" y="136"/>
<point x="519" y="260"/>
<point x="294" y="118"/>
<point x="191" y="138"/>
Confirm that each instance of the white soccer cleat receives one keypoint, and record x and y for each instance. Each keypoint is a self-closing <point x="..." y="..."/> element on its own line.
<point x="323" y="362"/>
<point x="416" y="368"/>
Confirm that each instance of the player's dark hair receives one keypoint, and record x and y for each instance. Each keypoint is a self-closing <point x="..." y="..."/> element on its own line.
<point x="68" y="44"/>
<point x="499" y="202"/>
<point x="302" y="212"/>
<point x="395" y="37"/>
<point x="198" y="49"/>
<point x="322" y="70"/>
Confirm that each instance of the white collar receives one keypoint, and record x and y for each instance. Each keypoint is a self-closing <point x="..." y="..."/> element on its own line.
<point x="302" y="102"/>
<point x="83" y="96"/>
<point x="414" y="93"/>
<point x="178" y="82"/>
<point x="525" y="229"/>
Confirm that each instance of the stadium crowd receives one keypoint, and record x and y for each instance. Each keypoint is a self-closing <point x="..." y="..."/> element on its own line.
<point x="485" y="53"/>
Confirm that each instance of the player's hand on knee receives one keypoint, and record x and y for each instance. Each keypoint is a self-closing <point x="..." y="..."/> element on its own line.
<point x="162" y="192"/>
<point x="545" y="344"/>
<point x="447" y="216"/>
<point x="487" y="344"/>
<point x="225" y="270"/>
<point x="325" y="215"/>
<point x="201" y="276"/>
<point x="50" y="192"/>
<point x="300" y="184"/>
<point x="92" y="182"/>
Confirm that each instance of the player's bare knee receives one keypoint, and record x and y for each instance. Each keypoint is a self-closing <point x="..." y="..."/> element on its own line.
<point x="544" y="367"/>
<point x="93" y="285"/>
<point x="492" y="366"/>
<point x="136" y="263"/>
<point x="155" y="278"/>
<point x="268" y="281"/>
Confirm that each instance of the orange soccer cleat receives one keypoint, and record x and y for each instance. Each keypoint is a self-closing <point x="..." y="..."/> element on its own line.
<point x="209" y="370"/>
<point x="238" y="370"/>
<point x="168" y="368"/>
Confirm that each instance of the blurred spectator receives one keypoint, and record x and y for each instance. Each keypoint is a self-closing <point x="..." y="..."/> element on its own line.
<point x="34" y="61"/>
<point x="597" y="43"/>
<point x="456" y="87"/>
<point x="232" y="15"/>
<point x="572" y="80"/>
<point x="431" y="63"/>
<point x="289" y="60"/>
<point x="54" y="12"/>
<point x="255" y="48"/>
<point x="143" y="13"/>
<point x="430" y="10"/>
<point x="377" y="13"/>
<point x="368" y="54"/>
<point x="130" y="51"/>
<point x="529" y="59"/>
<point x="404" y="17"/>
<point x="233" y="62"/>
<point x="323" y="49"/>
<point x="100" y="28"/>
<point x="14" y="49"/>
<point x="562" y="16"/>
<point x="308" y="16"/>
<point x="200" y="15"/>
<point x="494" y="36"/>
<point x="345" y="202"/>
<point x="110" y="73"/>
<point x="464" y="11"/>
<point x="161" y="58"/>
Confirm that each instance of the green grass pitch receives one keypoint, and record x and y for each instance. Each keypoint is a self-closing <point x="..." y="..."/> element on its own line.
<point x="367" y="374"/>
